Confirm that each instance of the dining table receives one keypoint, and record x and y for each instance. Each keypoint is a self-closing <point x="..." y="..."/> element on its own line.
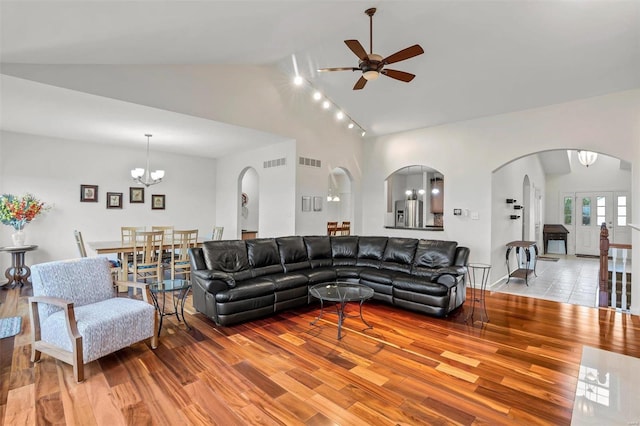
<point x="123" y="250"/>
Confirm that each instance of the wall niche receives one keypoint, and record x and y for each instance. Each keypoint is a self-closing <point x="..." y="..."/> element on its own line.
<point x="415" y="198"/>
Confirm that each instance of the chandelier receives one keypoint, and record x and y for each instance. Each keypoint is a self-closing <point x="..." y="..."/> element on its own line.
<point x="146" y="176"/>
<point x="587" y="158"/>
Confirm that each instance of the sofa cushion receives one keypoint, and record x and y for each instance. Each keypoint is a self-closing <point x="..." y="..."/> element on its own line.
<point x="293" y="253"/>
<point x="225" y="256"/>
<point x="319" y="275"/>
<point x="381" y="276"/>
<point x="419" y="285"/>
<point x="288" y="280"/>
<point x="400" y="250"/>
<point x="370" y="251"/>
<point x="435" y="253"/>
<point x="344" y="247"/>
<point x="248" y="289"/>
<point x="263" y="256"/>
<point x="318" y="251"/>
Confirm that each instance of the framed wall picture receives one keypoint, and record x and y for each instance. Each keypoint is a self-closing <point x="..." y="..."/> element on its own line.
<point x="89" y="193"/>
<point x="306" y="203"/>
<point x="136" y="195"/>
<point x="157" y="202"/>
<point x="114" y="200"/>
<point x="317" y="204"/>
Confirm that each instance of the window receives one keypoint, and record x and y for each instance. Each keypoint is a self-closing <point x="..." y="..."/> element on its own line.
<point x="600" y="210"/>
<point x="622" y="210"/>
<point x="568" y="210"/>
<point x="586" y="211"/>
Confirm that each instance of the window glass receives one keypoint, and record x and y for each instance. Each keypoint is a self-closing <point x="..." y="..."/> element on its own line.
<point x="586" y="211"/>
<point x="568" y="208"/>
<point x="600" y="210"/>
<point x="622" y="210"/>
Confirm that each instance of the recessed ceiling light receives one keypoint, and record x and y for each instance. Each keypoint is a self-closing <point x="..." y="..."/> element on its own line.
<point x="297" y="80"/>
<point x="326" y="105"/>
<point x="317" y="95"/>
<point x="350" y="125"/>
<point x="363" y="133"/>
<point x="340" y="115"/>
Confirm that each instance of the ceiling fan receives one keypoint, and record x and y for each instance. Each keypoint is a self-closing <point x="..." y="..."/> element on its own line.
<point x="371" y="64"/>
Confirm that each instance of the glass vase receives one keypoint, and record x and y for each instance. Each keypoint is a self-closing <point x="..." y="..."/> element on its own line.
<point x="18" y="238"/>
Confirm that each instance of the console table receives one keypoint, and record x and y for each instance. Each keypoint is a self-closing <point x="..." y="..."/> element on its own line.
<point x="18" y="272"/>
<point x="554" y="232"/>
<point x="527" y="270"/>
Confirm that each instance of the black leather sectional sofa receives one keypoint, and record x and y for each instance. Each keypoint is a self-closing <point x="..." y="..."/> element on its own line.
<point x="235" y="281"/>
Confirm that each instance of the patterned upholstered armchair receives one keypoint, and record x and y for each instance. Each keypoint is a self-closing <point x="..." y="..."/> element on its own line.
<point x="76" y="318"/>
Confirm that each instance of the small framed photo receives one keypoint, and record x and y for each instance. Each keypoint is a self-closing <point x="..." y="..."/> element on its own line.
<point x="306" y="203"/>
<point x="114" y="200"/>
<point x="157" y="202"/>
<point x="317" y="204"/>
<point x="89" y="193"/>
<point x="136" y="195"/>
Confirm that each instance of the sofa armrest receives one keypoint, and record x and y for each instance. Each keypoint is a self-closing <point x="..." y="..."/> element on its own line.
<point x="449" y="275"/>
<point x="213" y="281"/>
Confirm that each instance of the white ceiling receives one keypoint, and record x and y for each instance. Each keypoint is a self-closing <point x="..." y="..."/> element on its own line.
<point x="481" y="58"/>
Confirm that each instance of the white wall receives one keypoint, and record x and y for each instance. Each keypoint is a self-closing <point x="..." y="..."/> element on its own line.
<point x="507" y="182"/>
<point x="277" y="191"/>
<point x="468" y="152"/>
<point x="603" y="175"/>
<point x="257" y="97"/>
<point x="53" y="170"/>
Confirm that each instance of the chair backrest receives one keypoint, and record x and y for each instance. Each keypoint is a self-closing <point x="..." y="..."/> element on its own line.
<point x="128" y="233"/>
<point x="81" y="281"/>
<point x="147" y="259"/>
<point x="332" y="227"/>
<point x="168" y="233"/>
<point x="217" y="233"/>
<point x="345" y="228"/>
<point x="80" y="243"/>
<point x="182" y="242"/>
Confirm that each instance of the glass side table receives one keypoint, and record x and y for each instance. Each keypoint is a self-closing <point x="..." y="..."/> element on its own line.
<point x="179" y="290"/>
<point x="478" y="274"/>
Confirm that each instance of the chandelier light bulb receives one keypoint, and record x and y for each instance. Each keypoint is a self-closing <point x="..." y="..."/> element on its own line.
<point x="340" y="115"/>
<point x="350" y="125"/>
<point x="297" y="80"/>
<point x="326" y="105"/>
<point x="317" y="96"/>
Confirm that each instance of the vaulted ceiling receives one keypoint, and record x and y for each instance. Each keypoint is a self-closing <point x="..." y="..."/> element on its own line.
<point x="481" y="58"/>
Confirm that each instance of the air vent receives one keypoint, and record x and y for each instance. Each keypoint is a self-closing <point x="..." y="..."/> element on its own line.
<point x="275" y="163"/>
<point x="303" y="161"/>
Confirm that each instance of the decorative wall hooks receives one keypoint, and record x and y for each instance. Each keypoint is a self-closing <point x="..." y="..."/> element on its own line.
<point x="511" y="200"/>
<point x="513" y="216"/>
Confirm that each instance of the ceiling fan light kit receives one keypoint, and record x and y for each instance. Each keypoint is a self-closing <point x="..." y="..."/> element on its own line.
<point x="371" y="64"/>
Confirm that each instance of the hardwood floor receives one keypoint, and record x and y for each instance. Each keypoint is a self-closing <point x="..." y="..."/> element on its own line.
<point x="520" y="368"/>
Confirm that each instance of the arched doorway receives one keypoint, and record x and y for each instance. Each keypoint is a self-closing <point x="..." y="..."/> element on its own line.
<point x="248" y="203"/>
<point x="340" y="196"/>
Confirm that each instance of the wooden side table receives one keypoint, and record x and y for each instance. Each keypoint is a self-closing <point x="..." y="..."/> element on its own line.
<point x="18" y="272"/>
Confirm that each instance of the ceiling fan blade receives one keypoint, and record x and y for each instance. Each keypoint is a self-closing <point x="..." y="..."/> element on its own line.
<point x="398" y="75"/>
<point x="339" y="69"/>
<point x="404" y="54"/>
<point x="360" y="83"/>
<point x="357" y="48"/>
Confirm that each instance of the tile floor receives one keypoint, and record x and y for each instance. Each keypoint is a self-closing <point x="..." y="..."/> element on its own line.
<point x="570" y="280"/>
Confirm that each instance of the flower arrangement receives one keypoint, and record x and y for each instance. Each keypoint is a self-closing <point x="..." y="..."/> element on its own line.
<point x="18" y="211"/>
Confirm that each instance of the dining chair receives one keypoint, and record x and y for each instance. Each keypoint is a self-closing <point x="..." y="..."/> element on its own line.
<point x="147" y="259"/>
<point x="182" y="242"/>
<point x="167" y="239"/>
<point x="116" y="265"/>
<point x="332" y="228"/>
<point x="127" y="237"/>
<point x="76" y="318"/>
<point x="217" y="233"/>
<point x="345" y="228"/>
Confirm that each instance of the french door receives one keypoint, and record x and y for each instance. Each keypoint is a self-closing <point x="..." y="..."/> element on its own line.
<point x="593" y="209"/>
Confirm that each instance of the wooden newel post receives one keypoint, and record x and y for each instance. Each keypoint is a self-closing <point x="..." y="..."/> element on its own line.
<point x="603" y="293"/>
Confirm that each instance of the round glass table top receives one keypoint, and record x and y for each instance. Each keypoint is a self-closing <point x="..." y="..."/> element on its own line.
<point x="341" y="291"/>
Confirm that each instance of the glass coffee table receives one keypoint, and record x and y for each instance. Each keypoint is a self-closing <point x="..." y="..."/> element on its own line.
<point x="179" y="290"/>
<point x="340" y="293"/>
